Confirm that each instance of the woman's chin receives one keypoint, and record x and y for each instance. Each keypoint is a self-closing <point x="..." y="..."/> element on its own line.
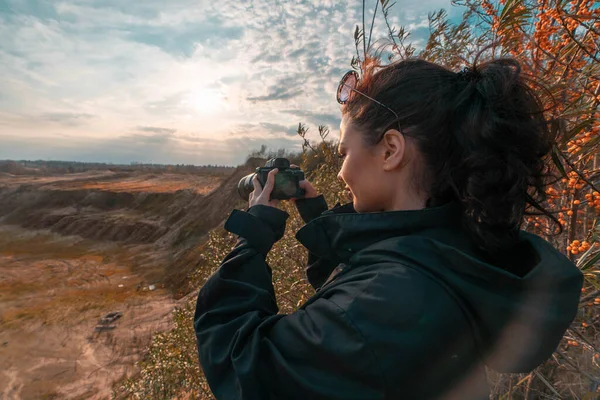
<point x="362" y="208"/>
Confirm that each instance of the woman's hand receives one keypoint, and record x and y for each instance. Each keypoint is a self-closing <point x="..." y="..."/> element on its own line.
<point x="262" y="195"/>
<point x="309" y="190"/>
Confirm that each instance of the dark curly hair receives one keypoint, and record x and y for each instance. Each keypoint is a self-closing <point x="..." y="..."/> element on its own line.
<point x="481" y="132"/>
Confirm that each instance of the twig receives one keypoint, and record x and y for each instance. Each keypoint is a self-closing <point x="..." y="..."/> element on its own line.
<point x="363" y="29"/>
<point x="590" y="377"/>
<point x="583" y="339"/>
<point x="590" y="296"/>
<point x="547" y="383"/>
<point x="581" y="46"/>
<point x="372" y="24"/>
<point x="390" y="30"/>
<point x="572" y="166"/>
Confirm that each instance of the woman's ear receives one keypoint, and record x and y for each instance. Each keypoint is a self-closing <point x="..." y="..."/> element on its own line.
<point x="394" y="149"/>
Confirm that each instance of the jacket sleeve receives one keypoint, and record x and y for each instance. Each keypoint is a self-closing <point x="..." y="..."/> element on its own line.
<point x="311" y="208"/>
<point x="318" y="269"/>
<point x="248" y="351"/>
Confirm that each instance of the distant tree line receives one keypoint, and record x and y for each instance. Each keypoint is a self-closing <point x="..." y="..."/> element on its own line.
<point x="41" y="167"/>
<point x="265" y="153"/>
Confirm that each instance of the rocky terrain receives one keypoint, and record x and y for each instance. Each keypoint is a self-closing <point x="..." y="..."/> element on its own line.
<point x="74" y="247"/>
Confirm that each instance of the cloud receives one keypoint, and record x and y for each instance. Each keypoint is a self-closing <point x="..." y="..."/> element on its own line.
<point x="181" y="40"/>
<point x="261" y="129"/>
<point x="195" y="79"/>
<point x="278" y="93"/>
<point x="278" y="128"/>
<point x="158" y="131"/>
<point x="67" y="119"/>
<point x="317" y="118"/>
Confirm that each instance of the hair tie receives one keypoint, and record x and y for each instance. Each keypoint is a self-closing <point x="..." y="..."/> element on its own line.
<point x="468" y="75"/>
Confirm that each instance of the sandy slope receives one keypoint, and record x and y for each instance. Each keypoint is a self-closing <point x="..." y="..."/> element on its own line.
<point x="77" y="246"/>
<point x="50" y="302"/>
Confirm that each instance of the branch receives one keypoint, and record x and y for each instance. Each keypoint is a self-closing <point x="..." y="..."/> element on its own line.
<point x="372" y="24"/>
<point x="581" y="46"/>
<point x="590" y="377"/>
<point x="590" y="296"/>
<point x="572" y="166"/>
<point x="387" y="23"/>
<point x="363" y="29"/>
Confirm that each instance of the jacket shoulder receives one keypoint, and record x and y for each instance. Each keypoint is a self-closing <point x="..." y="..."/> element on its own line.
<point x="416" y="330"/>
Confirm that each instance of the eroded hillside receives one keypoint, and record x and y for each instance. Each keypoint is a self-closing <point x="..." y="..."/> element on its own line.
<point x="75" y="247"/>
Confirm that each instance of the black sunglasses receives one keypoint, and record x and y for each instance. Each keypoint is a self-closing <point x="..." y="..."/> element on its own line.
<point x="348" y="84"/>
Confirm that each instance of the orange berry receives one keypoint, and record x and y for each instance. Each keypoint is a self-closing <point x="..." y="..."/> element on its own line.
<point x="574" y="251"/>
<point x="584" y="325"/>
<point x="576" y="202"/>
<point x="576" y="242"/>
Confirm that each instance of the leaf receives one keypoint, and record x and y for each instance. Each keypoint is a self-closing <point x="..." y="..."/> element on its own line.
<point x="590" y="263"/>
<point x="514" y="13"/>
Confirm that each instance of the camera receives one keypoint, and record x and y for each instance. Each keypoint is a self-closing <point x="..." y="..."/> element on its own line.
<point x="287" y="180"/>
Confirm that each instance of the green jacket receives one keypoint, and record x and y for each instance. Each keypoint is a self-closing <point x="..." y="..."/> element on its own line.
<point x="405" y="308"/>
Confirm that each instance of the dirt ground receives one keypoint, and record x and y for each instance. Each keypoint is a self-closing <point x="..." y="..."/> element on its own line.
<point x="76" y="247"/>
<point x="119" y="182"/>
<point x="53" y="291"/>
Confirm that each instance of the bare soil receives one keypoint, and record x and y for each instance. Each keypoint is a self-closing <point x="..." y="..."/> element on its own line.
<point x="119" y="182"/>
<point x="76" y="247"/>
<point x="53" y="291"/>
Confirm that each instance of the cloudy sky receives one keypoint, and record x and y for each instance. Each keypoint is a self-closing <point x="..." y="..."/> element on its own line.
<point x="194" y="82"/>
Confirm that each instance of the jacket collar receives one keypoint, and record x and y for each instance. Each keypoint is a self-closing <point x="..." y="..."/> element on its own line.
<point x="341" y="232"/>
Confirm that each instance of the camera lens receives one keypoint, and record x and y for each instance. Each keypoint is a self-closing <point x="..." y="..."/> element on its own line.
<point x="245" y="186"/>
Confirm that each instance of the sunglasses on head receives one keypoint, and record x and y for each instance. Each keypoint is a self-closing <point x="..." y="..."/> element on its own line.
<point x="348" y="84"/>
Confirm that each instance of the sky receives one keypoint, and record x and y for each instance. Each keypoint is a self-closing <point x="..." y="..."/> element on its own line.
<point x="178" y="82"/>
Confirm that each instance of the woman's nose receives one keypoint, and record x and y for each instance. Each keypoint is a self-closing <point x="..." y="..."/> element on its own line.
<point x="339" y="176"/>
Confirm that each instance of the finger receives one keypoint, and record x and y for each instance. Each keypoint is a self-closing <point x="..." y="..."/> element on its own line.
<point x="304" y="184"/>
<point x="308" y="188"/>
<point x="257" y="186"/>
<point x="294" y="166"/>
<point x="270" y="182"/>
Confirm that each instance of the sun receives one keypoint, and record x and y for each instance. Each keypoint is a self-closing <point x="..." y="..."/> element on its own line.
<point x="206" y="100"/>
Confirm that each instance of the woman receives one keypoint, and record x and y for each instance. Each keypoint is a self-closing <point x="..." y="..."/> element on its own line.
<point x="422" y="280"/>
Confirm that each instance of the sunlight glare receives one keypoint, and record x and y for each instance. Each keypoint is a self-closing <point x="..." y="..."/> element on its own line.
<point x="206" y="100"/>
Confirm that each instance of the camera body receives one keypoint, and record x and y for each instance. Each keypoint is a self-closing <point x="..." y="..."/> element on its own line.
<point x="287" y="180"/>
